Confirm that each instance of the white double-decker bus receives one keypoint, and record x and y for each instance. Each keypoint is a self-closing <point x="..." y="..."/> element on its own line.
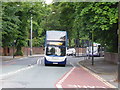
<point x="55" y="48"/>
<point x="97" y="50"/>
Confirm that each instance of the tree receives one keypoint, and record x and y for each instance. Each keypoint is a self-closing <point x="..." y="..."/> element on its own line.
<point x="16" y="24"/>
<point x="62" y="17"/>
<point x="100" y="17"/>
<point x="10" y="24"/>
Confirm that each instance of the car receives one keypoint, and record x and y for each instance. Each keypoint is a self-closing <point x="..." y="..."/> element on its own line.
<point x="71" y="52"/>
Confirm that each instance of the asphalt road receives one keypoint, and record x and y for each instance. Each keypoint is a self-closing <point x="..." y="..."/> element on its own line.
<point x="13" y="65"/>
<point x="32" y="73"/>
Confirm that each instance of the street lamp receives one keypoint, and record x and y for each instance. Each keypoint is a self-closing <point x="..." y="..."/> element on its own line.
<point x="31" y="36"/>
<point x="14" y="47"/>
<point x="92" y="47"/>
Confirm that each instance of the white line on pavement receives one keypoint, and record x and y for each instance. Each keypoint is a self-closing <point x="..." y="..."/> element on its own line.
<point x="59" y="84"/>
<point x="98" y="77"/>
<point x="72" y="64"/>
<point x="39" y="61"/>
<point x="14" y="72"/>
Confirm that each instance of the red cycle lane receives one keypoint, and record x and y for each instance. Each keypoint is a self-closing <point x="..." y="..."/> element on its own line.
<point x="80" y="77"/>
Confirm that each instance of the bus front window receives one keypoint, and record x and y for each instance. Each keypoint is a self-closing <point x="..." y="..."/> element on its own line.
<point x="57" y="51"/>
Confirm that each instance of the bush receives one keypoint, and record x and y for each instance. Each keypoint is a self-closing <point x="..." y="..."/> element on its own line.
<point x="18" y="53"/>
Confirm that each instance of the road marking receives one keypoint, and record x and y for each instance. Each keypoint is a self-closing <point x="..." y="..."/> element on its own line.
<point x="72" y="64"/>
<point x="62" y="80"/>
<point x="78" y="86"/>
<point x="98" y="77"/>
<point x="14" y="72"/>
<point x="39" y="61"/>
<point x="59" y="84"/>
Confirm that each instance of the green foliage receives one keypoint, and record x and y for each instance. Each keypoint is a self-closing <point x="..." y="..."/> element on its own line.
<point x="100" y="17"/>
<point x="19" y="53"/>
<point x="9" y="24"/>
<point x="16" y="24"/>
<point x="78" y="19"/>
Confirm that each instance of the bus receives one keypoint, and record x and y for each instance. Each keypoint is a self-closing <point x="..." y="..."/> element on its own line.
<point x="98" y="50"/>
<point x="55" y="48"/>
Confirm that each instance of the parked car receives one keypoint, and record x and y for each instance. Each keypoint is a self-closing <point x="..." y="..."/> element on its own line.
<point x="71" y="52"/>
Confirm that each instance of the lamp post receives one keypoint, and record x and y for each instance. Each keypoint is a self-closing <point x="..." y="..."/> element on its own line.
<point x="14" y="47"/>
<point x="31" y="36"/>
<point x="92" y="47"/>
<point x="119" y="46"/>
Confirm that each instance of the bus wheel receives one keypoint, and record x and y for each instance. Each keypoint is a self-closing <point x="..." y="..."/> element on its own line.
<point x="63" y="65"/>
<point x="46" y="64"/>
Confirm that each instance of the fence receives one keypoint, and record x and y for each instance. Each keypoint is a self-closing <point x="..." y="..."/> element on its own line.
<point x="111" y="57"/>
<point x="26" y="50"/>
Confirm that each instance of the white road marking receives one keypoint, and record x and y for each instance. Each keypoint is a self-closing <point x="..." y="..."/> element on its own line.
<point x="98" y="77"/>
<point x="39" y="61"/>
<point x="17" y="71"/>
<point x="72" y="64"/>
<point x="14" y="72"/>
<point x="59" y="84"/>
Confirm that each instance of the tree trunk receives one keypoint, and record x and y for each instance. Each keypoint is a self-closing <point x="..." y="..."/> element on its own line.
<point x="5" y="51"/>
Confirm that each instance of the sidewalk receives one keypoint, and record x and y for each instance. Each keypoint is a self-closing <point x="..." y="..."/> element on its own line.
<point x="8" y="58"/>
<point x="104" y="69"/>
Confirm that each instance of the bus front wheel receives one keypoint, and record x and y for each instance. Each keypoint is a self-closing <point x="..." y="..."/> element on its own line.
<point x="63" y="65"/>
<point x="46" y="64"/>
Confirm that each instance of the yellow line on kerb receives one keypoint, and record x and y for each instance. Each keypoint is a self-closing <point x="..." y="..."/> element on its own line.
<point x="100" y="78"/>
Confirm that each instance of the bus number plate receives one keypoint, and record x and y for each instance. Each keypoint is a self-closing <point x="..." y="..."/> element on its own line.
<point x="55" y="63"/>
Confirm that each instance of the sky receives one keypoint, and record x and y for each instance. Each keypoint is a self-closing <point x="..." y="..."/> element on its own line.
<point x="48" y="1"/>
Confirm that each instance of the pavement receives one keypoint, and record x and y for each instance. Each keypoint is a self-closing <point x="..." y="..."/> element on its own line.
<point x="105" y="69"/>
<point x="8" y="58"/>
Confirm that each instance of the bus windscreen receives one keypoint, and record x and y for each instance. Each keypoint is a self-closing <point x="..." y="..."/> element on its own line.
<point x="55" y="51"/>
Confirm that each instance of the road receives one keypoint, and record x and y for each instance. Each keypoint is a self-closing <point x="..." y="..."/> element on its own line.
<point x="30" y="72"/>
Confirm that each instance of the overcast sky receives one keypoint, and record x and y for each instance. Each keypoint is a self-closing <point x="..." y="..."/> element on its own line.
<point x="48" y="1"/>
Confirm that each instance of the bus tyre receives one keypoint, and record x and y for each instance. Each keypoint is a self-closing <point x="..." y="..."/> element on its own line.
<point x="63" y="65"/>
<point x="46" y="64"/>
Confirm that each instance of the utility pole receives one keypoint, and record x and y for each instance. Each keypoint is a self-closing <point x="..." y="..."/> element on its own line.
<point x="78" y="42"/>
<point x="119" y="44"/>
<point x="92" y="47"/>
<point x="14" y="48"/>
<point x="31" y="36"/>
<point x="89" y="50"/>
